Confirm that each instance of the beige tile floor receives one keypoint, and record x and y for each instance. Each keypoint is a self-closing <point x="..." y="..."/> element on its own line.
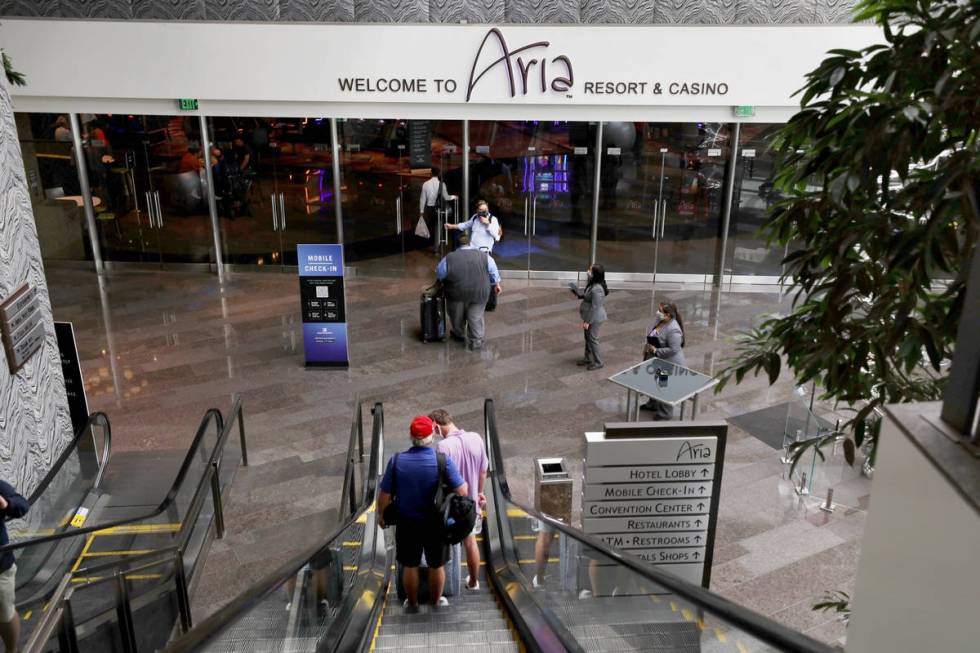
<point x="160" y="348"/>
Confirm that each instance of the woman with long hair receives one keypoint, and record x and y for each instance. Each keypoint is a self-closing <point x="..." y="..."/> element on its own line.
<point x="665" y="341"/>
<point x="593" y="314"/>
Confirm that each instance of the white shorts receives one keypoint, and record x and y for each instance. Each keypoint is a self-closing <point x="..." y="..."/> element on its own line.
<point x="8" y="605"/>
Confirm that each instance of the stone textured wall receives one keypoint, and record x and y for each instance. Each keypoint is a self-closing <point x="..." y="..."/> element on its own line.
<point x="34" y="422"/>
<point x="449" y="11"/>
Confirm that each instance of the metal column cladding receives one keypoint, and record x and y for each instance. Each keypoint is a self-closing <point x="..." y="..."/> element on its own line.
<point x="321" y="287"/>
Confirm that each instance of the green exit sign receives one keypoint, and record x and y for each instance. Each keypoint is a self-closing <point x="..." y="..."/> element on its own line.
<point x="187" y="104"/>
<point x="744" y="111"/>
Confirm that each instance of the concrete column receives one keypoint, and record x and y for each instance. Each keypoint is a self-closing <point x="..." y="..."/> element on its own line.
<point x="35" y="426"/>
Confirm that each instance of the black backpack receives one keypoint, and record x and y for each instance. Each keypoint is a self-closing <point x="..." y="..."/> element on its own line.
<point x="456" y="513"/>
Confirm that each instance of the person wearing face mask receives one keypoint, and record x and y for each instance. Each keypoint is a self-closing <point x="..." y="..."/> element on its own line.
<point x="665" y="341"/>
<point x="483" y="227"/>
<point x="593" y="314"/>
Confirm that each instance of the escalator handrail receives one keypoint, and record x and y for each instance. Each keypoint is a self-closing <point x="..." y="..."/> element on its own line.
<point x="212" y="415"/>
<point x="95" y="418"/>
<point x="755" y="625"/>
<point x="215" y="624"/>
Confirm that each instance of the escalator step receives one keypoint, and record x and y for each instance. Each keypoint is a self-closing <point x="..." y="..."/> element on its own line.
<point x="430" y="639"/>
<point x="495" y="647"/>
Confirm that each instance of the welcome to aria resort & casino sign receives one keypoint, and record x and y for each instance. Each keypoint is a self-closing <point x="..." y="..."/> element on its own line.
<point x="531" y="70"/>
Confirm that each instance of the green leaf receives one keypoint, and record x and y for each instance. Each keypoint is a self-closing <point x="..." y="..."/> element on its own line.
<point x="849" y="451"/>
<point x="878" y="246"/>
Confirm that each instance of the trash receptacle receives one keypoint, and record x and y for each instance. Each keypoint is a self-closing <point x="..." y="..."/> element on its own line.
<point x="553" y="488"/>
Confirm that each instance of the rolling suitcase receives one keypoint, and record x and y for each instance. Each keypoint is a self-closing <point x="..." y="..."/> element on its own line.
<point x="454" y="574"/>
<point x="432" y="316"/>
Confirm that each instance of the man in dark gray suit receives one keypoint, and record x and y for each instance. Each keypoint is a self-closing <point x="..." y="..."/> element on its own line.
<point x="469" y="275"/>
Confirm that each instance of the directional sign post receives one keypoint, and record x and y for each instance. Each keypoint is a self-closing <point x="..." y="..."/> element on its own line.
<point x="652" y="490"/>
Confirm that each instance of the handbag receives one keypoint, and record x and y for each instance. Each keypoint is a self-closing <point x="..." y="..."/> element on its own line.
<point x="492" y="299"/>
<point x="390" y="514"/>
<point x="422" y="229"/>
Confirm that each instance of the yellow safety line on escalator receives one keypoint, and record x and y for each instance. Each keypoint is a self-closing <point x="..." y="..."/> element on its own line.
<point x="510" y="622"/>
<point x="377" y="627"/>
<point x="87" y="579"/>
<point x="130" y="552"/>
<point x="137" y="529"/>
<point x="132" y="529"/>
<point x="741" y="647"/>
<point x="78" y="561"/>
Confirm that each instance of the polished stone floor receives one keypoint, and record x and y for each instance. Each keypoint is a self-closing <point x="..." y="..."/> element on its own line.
<point x="159" y="348"/>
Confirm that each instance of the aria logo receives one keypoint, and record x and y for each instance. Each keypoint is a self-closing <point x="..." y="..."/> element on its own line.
<point x="523" y="69"/>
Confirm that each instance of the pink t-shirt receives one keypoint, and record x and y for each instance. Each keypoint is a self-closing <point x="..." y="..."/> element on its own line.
<point x="466" y="449"/>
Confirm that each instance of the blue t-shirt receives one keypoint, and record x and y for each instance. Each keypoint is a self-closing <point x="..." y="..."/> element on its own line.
<point x="418" y="476"/>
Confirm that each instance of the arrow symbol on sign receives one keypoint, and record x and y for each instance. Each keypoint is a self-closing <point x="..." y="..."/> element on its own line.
<point x="697" y="538"/>
<point x="696" y="555"/>
<point x="700" y="506"/>
<point x="704" y="472"/>
<point x="702" y="489"/>
<point x="698" y="522"/>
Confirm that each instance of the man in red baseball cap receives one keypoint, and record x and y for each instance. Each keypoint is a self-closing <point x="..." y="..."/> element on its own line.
<point x="410" y="481"/>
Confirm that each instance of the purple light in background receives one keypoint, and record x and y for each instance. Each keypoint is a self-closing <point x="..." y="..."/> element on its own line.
<point x="325" y="195"/>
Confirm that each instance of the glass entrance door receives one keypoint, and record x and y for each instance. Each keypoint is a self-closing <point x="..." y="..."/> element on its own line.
<point x="660" y="201"/>
<point x="148" y="188"/>
<point x="275" y="187"/>
<point x="750" y="259"/>
<point x="384" y="163"/>
<point x="537" y="177"/>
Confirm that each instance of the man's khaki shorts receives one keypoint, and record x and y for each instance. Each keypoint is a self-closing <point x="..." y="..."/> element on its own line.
<point x="7" y="603"/>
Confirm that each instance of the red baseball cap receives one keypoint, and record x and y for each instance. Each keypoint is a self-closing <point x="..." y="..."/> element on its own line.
<point x="422" y="427"/>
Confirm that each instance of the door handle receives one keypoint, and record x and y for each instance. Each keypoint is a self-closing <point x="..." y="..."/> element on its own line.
<point x="534" y="216"/>
<point x="156" y="201"/>
<point x="445" y="232"/>
<point x="656" y="213"/>
<point x="275" y="222"/>
<point x="663" y="219"/>
<point x="149" y="209"/>
<point x="398" y="215"/>
<point x="282" y="211"/>
<point x="525" y="215"/>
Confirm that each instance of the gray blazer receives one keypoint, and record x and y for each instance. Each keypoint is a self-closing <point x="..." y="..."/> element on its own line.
<point x="592" y="309"/>
<point x="671" y="338"/>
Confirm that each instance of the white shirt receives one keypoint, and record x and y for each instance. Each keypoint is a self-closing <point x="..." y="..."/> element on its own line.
<point x="482" y="236"/>
<point x="430" y="193"/>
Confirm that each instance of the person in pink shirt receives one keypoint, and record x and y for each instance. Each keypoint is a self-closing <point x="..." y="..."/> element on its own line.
<point x="469" y="452"/>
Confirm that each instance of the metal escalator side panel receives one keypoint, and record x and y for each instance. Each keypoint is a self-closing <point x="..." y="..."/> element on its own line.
<point x="698" y="612"/>
<point x="368" y="577"/>
<point x="354" y="627"/>
<point x="539" y="630"/>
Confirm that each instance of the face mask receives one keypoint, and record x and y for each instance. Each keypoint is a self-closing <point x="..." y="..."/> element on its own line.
<point x="483" y="214"/>
<point x="660" y="316"/>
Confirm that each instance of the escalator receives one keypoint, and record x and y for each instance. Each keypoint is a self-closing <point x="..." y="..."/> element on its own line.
<point x="99" y="545"/>
<point x="341" y="597"/>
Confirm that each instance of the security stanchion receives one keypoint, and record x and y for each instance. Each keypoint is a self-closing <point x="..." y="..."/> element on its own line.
<point x="828" y="505"/>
